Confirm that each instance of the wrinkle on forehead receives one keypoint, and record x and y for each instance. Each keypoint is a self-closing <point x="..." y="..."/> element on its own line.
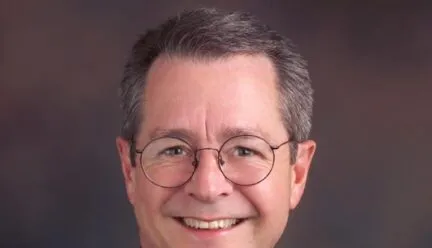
<point x="212" y="99"/>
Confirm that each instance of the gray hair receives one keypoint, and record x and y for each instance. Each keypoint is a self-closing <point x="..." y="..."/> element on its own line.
<point x="210" y="34"/>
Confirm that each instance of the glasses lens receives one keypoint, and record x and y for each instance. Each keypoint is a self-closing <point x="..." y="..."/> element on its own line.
<point x="247" y="160"/>
<point x="168" y="162"/>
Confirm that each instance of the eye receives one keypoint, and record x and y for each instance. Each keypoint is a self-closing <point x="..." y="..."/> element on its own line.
<point x="174" y="151"/>
<point x="244" y="152"/>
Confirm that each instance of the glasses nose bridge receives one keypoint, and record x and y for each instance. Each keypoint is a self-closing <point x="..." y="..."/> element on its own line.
<point x="197" y="152"/>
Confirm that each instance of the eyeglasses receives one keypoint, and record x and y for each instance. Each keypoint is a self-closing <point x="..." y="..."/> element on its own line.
<point x="244" y="160"/>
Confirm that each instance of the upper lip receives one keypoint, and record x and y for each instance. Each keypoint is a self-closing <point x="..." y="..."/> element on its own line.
<point x="208" y="219"/>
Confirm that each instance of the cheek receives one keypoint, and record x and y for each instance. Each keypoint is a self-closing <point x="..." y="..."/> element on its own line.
<point x="271" y="199"/>
<point x="275" y="190"/>
<point x="149" y="201"/>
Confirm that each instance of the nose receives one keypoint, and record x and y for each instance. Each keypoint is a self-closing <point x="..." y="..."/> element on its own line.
<point x="208" y="184"/>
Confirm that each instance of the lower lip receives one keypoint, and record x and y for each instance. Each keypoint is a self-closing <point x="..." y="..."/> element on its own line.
<point x="209" y="233"/>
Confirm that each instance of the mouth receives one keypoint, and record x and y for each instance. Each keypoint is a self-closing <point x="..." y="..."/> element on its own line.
<point x="217" y="224"/>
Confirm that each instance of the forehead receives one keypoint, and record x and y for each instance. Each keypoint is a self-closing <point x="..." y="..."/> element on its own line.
<point x="207" y="97"/>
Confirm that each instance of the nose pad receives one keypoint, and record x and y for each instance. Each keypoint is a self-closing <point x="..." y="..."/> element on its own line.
<point x="219" y="159"/>
<point x="208" y="183"/>
<point x="221" y="162"/>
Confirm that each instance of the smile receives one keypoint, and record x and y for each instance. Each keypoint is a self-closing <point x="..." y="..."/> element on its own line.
<point x="209" y="225"/>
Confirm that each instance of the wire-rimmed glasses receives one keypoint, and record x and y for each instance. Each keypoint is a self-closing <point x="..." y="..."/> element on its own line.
<point x="244" y="160"/>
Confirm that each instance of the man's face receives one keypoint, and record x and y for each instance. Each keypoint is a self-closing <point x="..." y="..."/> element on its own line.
<point x="201" y="100"/>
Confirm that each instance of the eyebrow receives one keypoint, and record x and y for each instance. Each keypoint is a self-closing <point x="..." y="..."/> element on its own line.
<point x="181" y="133"/>
<point x="223" y="135"/>
<point x="228" y="132"/>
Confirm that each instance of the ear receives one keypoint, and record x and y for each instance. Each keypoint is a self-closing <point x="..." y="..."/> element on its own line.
<point x="128" y="170"/>
<point x="300" y="170"/>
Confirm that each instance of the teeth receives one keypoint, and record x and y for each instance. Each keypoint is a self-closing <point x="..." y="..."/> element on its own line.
<point x="216" y="224"/>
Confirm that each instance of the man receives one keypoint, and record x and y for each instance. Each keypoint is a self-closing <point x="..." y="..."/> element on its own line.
<point x="214" y="145"/>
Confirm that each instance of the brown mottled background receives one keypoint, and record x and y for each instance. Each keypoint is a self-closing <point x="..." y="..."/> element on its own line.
<point x="371" y="61"/>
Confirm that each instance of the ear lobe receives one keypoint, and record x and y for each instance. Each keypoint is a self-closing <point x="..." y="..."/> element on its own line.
<point x="123" y="149"/>
<point x="300" y="170"/>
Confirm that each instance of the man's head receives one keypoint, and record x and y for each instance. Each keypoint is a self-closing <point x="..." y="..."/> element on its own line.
<point x="214" y="145"/>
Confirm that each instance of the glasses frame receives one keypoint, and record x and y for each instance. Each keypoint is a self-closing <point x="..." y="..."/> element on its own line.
<point x="195" y="162"/>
